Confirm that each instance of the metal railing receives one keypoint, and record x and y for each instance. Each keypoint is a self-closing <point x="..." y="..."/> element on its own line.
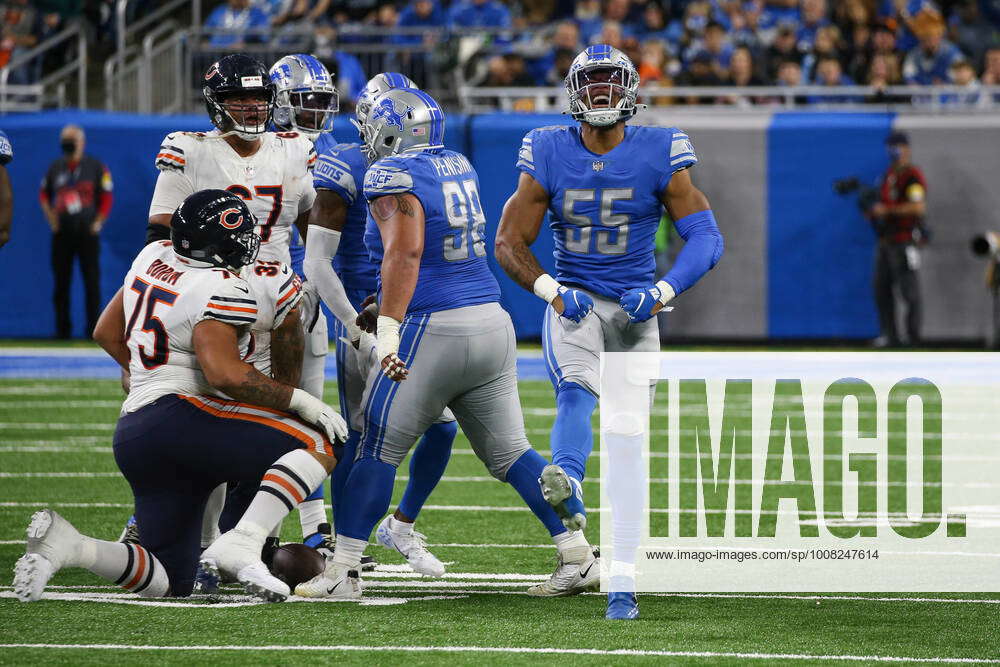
<point x="153" y="81"/>
<point x="54" y="88"/>
<point x="474" y="99"/>
<point x="126" y="33"/>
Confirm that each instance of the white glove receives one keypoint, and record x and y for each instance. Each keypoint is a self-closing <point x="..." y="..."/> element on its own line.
<point x="387" y="348"/>
<point x="319" y="413"/>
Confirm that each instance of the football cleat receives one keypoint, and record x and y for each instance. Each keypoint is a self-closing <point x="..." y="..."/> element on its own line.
<point x="237" y="553"/>
<point x="565" y="494"/>
<point x="622" y="607"/>
<point x="130" y="533"/>
<point x="324" y="542"/>
<point x="271" y="545"/>
<point x="53" y="543"/>
<point x="412" y="546"/>
<point x="338" y="581"/>
<point x="570" y="578"/>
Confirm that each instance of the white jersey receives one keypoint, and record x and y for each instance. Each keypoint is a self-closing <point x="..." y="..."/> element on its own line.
<point x="276" y="289"/>
<point x="276" y="181"/>
<point x="164" y="299"/>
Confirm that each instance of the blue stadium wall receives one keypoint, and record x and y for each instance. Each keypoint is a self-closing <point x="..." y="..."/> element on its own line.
<point x="798" y="260"/>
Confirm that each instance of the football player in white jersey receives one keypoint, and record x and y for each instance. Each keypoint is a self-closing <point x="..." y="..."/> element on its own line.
<point x="180" y="326"/>
<point x="268" y="170"/>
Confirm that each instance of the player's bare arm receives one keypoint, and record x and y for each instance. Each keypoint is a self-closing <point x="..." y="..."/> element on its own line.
<point x="109" y="332"/>
<point x="400" y="219"/>
<point x="519" y="226"/>
<point x="682" y="198"/>
<point x="216" y="346"/>
<point x="327" y="218"/>
<point x="287" y="347"/>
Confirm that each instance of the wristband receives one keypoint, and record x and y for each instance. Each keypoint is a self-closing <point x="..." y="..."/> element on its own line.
<point x="666" y="292"/>
<point x="387" y="340"/>
<point x="546" y="287"/>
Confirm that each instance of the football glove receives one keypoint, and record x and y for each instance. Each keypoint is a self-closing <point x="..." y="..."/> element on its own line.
<point x="319" y="413"/>
<point x="387" y="349"/>
<point x="576" y="304"/>
<point x="638" y="303"/>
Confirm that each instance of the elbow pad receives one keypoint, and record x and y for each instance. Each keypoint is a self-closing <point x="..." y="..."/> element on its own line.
<point x="157" y="232"/>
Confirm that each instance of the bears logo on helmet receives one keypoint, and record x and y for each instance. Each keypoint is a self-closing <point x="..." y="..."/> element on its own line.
<point x="224" y="218"/>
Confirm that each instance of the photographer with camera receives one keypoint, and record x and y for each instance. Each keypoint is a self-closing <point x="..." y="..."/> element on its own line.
<point x="898" y="218"/>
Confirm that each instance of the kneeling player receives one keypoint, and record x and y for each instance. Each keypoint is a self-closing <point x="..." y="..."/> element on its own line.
<point x="177" y="439"/>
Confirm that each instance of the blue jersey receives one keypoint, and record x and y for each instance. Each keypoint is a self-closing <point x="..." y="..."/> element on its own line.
<point x="341" y="169"/>
<point x="453" y="268"/>
<point x="605" y="209"/>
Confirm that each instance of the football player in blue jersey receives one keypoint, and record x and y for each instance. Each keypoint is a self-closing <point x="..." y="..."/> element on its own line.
<point x="336" y="230"/>
<point x="603" y="184"/>
<point x="442" y="339"/>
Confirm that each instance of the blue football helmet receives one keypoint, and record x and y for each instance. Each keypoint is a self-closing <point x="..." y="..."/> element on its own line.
<point x="402" y="119"/>
<point x="377" y="85"/>
<point x="602" y="84"/>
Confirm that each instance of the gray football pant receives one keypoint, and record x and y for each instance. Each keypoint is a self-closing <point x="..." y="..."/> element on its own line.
<point x="464" y="359"/>
<point x="573" y="351"/>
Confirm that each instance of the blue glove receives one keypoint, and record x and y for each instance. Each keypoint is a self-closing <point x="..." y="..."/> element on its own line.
<point x="576" y="304"/>
<point x="638" y="303"/>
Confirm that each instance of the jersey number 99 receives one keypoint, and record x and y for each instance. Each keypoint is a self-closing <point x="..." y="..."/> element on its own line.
<point x="611" y="241"/>
<point x="465" y="216"/>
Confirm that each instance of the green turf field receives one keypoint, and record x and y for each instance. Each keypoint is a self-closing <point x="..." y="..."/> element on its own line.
<point x="55" y="450"/>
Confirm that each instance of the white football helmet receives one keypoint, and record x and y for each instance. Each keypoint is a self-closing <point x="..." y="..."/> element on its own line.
<point x="602" y="84"/>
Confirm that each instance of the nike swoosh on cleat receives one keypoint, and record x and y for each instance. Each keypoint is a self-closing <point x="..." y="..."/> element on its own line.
<point x="584" y="573"/>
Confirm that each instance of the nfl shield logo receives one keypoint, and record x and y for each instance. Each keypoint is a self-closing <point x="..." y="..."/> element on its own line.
<point x="598" y="165"/>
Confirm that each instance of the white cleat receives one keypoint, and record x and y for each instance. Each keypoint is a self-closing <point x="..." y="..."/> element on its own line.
<point x="570" y="578"/>
<point x="338" y="581"/>
<point x="237" y="554"/>
<point x="412" y="546"/>
<point x="53" y="543"/>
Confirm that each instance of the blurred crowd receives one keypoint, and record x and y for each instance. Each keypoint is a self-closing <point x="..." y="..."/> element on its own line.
<point x="672" y="42"/>
<point x="26" y="24"/>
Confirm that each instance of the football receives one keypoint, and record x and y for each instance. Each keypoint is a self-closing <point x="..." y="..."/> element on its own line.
<point x="295" y="563"/>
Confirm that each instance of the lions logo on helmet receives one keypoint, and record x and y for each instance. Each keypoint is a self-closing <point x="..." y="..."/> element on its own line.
<point x="377" y="85"/>
<point x="386" y="108"/>
<point x="306" y="100"/>
<point x="602" y="84"/>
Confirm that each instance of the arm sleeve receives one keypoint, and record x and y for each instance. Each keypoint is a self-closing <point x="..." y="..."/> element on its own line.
<point x="172" y="187"/>
<point x="231" y="302"/>
<point x="703" y="247"/>
<point x="531" y="158"/>
<point x="318" y="267"/>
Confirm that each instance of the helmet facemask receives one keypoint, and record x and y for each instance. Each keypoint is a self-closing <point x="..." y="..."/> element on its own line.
<point x="602" y="94"/>
<point x="310" y="112"/>
<point x="245" y="113"/>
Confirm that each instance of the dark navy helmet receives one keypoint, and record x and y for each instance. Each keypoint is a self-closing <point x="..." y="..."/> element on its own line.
<point x="239" y="95"/>
<point x="215" y="228"/>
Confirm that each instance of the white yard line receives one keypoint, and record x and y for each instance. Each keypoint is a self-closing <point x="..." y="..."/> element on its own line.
<point x="714" y="655"/>
<point x="58" y="405"/>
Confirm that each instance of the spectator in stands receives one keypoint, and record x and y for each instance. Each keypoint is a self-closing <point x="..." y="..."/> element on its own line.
<point x="790" y="76"/>
<point x="19" y="20"/>
<point x="236" y="23"/>
<point x="565" y="37"/>
<point x="346" y="71"/>
<point x="829" y="72"/>
<point x="588" y="16"/>
<point x="556" y="76"/>
<point x="508" y="70"/>
<point x="964" y="74"/>
<point x="777" y="13"/>
<point x="716" y="46"/>
<point x="302" y="12"/>
<point x="883" y="71"/>
<point x="782" y="49"/>
<point x="654" y="23"/>
<point x="991" y="67"/>
<point x="684" y="32"/>
<point x="479" y="14"/>
<point x="741" y="69"/>
<point x="611" y="34"/>
<point x="969" y="31"/>
<point x="930" y="62"/>
<point x="813" y="18"/>
<point x="701" y="72"/>
<point x="76" y="199"/>
<point x="827" y="45"/>
<point x="421" y="14"/>
<point x="67" y="10"/>
<point x="620" y="11"/>
<point x="653" y="64"/>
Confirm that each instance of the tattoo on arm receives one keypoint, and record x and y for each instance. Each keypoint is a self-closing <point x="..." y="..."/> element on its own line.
<point x="258" y="389"/>
<point x="287" y="347"/>
<point x="386" y="206"/>
<point x="520" y="264"/>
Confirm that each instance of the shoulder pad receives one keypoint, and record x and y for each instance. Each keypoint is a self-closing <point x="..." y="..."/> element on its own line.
<point x="681" y="150"/>
<point x="384" y="178"/>
<point x="176" y="149"/>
